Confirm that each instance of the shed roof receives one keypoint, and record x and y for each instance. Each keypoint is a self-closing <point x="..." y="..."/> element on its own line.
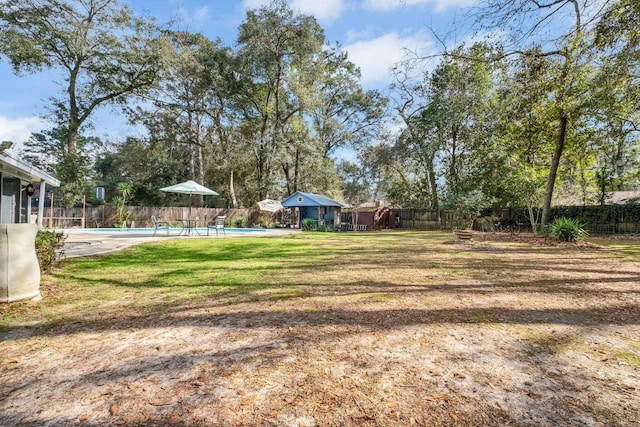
<point x="26" y="171"/>
<point x="309" y="199"/>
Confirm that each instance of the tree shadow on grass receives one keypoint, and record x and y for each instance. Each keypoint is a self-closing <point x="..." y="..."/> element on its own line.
<point x="167" y="315"/>
<point x="223" y="363"/>
<point x="298" y="329"/>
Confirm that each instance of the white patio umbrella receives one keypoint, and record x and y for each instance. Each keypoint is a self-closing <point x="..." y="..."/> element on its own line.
<point x="189" y="187"/>
<point x="270" y="205"/>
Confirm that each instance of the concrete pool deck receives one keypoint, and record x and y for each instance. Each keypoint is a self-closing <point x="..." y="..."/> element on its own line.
<point x="79" y="244"/>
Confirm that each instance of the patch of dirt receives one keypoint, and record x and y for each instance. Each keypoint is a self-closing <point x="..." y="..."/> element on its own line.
<point x="481" y="334"/>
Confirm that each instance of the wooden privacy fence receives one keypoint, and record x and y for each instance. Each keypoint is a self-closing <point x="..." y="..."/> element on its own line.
<point x="106" y="216"/>
<point x="609" y="219"/>
<point x="410" y="219"/>
<point x="423" y="219"/>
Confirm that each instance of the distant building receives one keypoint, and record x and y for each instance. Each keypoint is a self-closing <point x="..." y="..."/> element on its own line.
<point x="323" y="210"/>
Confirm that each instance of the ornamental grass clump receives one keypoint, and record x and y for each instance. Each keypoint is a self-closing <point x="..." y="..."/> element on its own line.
<point x="567" y="230"/>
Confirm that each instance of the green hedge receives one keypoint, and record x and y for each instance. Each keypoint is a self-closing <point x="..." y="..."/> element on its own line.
<point x="608" y="219"/>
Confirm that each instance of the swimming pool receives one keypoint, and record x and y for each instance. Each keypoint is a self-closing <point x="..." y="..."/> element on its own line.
<point x="172" y="231"/>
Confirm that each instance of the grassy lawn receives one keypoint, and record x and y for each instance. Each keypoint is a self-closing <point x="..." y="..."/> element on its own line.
<point x="402" y="328"/>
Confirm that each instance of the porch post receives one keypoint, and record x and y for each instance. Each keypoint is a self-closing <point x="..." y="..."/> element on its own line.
<point x="28" y="216"/>
<point x="43" y="194"/>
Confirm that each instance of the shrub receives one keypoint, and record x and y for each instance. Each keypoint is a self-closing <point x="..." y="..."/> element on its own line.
<point x="49" y="248"/>
<point x="467" y="206"/>
<point x="308" y="224"/>
<point x="543" y="230"/>
<point x="487" y="223"/>
<point x="567" y="230"/>
<point x="238" y="222"/>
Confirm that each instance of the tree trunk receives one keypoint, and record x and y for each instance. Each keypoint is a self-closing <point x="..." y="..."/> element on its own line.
<point x="74" y="113"/>
<point x="453" y="176"/>
<point x="354" y="217"/>
<point x="200" y="170"/>
<point x="72" y="141"/>
<point x="435" y="203"/>
<point x="287" y="178"/>
<point x="192" y="161"/>
<point x="532" y="218"/>
<point x="296" y="172"/>
<point x="555" y="163"/>
<point x="232" y="191"/>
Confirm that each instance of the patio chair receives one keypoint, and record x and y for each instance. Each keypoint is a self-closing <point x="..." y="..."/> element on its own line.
<point x="218" y="224"/>
<point x="159" y="225"/>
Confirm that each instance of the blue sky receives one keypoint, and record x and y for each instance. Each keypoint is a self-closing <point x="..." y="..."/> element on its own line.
<point x="375" y="33"/>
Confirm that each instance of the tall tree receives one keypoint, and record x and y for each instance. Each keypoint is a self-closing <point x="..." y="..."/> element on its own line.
<point x="414" y="144"/>
<point x="180" y="101"/>
<point x="147" y="164"/>
<point x="522" y="135"/>
<point x="446" y="123"/>
<point x="276" y="47"/>
<point x="343" y="113"/>
<point x="102" y="51"/>
<point x="48" y="150"/>
<point x="617" y="94"/>
<point x="227" y="159"/>
<point x="356" y="186"/>
<point x="571" y="21"/>
<point x="336" y="114"/>
<point x="461" y="97"/>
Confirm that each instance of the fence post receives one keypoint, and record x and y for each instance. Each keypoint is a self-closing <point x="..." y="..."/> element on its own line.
<point x="84" y="205"/>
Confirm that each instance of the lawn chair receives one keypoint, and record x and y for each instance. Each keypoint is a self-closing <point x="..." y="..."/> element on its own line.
<point x="218" y="224"/>
<point x="159" y="225"/>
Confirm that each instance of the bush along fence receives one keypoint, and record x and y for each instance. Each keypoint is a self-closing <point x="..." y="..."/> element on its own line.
<point x="608" y="219"/>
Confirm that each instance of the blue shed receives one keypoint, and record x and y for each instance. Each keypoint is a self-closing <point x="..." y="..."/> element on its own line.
<point x="323" y="210"/>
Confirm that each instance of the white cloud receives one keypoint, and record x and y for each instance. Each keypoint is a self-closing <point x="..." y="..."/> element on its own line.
<point x="375" y="57"/>
<point x="387" y="5"/>
<point x="325" y="11"/>
<point x="201" y="14"/>
<point x="440" y="5"/>
<point x="19" y="130"/>
<point x="254" y="4"/>
<point x="353" y="36"/>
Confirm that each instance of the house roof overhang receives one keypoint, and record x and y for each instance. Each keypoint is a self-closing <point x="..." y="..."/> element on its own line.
<point x="26" y="171"/>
